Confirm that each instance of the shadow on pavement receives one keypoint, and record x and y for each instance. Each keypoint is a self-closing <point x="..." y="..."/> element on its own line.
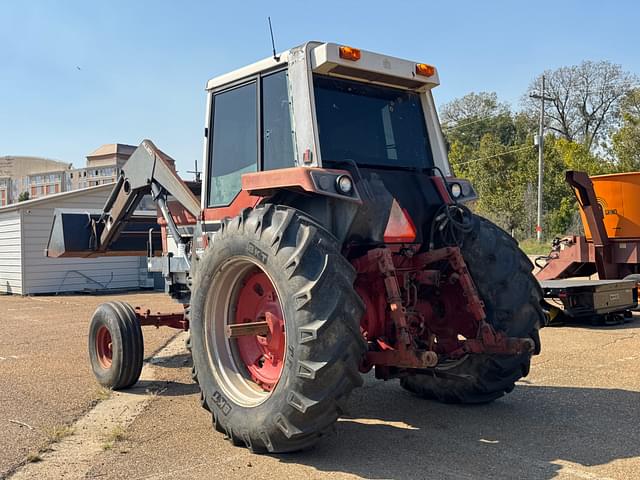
<point x="535" y="432"/>
<point x="175" y="361"/>
<point x="527" y="434"/>
<point x="165" y="388"/>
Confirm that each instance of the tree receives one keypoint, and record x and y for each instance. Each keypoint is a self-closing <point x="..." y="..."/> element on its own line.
<point x="23" y="196"/>
<point x="485" y="140"/>
<point x="493" y="148"/>
<point x="586" y="106"/>
<point x="559" y="200"/>
<point x="626" y="141"/>
<point x="469" y="118"/>
<point x="472" y="105"/>
<point x="499" y="177"/>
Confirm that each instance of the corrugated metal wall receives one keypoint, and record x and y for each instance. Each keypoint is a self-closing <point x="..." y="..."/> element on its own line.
<point x="51" y="275"/>
<point x="10" y="253"/>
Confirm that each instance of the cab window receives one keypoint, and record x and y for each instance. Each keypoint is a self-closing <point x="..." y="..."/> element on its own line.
<point x="277" y="139"/>
<point x="234" y="147"/>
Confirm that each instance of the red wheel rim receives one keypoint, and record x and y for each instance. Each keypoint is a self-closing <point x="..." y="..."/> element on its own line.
<point x="262" y="355"/>
<point x="104" y="347"/>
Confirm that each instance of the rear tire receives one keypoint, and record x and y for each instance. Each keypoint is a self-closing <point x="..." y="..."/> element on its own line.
<point x="512" y="298"/>
<point x="116" y="347"/>
<point x="313" y="285"/>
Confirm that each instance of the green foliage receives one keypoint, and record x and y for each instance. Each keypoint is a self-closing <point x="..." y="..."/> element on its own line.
<point x="497" y="154"/>
<point x="626" y="141"/>
<point x="531" y="246"/>
<point x="468" y="119"/>
<point x="23" y="196"/>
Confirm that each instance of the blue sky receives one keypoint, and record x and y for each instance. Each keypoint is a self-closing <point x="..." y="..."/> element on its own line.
<point x="77" y="74"/>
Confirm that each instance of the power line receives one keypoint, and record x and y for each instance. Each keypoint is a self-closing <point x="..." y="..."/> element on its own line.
<point x="496" y="155"/>
<point x="453" y="127"/>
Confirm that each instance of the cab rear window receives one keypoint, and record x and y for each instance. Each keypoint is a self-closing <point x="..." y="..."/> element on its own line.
<point x="370" y="124"/>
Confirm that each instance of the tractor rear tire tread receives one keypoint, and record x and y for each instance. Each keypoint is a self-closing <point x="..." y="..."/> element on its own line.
<point x="513" y="304"/>
<point x="325" y="346"/>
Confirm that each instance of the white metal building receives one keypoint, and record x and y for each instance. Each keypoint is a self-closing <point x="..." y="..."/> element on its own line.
<point x="24" y="233"/>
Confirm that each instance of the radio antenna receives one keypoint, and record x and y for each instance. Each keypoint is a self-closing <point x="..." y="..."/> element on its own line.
<point x="273" y="42"/>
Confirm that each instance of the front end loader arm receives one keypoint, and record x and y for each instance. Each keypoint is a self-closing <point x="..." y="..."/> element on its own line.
<point x="116" y="230"/>
<point x="146" y="172"/>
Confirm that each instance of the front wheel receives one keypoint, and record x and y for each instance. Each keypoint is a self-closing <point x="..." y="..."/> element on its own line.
<point x="275" y="330"/>
<point x="116" y="347"/>
<point x="513" y="305"/>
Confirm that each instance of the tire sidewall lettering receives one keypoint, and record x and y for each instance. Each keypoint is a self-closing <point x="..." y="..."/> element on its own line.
<point x="257" y="253"/>
<point x="220" y="401"/>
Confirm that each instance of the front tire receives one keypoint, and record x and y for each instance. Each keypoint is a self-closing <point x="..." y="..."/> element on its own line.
<point x="116" y="346"/>
<point x="277" y="391"/>
<point x="513" y="305"/>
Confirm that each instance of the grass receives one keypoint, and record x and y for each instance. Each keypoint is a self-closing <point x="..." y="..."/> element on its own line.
<point x="58" y="432"/>
<point x="34" y="457"/>
<point x="116" y="434"/>
<point x="530" y="246"/>
<point x="103" y="393"/>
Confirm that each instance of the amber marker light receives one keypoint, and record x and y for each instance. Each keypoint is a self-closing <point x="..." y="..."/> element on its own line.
<point x="349" y="53"/>
<point x="425" y="70"/>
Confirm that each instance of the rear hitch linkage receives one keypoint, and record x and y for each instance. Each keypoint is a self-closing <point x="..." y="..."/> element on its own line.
<point x="404" y="352"/>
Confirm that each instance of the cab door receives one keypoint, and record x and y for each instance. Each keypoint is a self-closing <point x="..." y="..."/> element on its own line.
<point x="250" y="131"/>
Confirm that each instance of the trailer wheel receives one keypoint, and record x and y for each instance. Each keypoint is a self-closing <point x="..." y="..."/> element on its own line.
<point x="513" y="304"/>
<point x="115" y="345"/>
<point x="280" y="388"/>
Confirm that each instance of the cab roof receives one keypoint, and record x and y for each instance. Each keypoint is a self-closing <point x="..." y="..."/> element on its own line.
<point x="326" y="59"/>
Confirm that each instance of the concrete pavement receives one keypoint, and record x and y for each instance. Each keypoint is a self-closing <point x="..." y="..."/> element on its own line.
<point x="577" y="415"/>
<point x="46" y="382"/>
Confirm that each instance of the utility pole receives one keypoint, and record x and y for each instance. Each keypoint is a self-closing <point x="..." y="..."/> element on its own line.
<point x="542" y="98"/>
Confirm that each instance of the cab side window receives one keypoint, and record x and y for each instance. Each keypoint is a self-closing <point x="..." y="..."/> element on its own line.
<point x="277" y="139"/>
<point x="234" y="147"/>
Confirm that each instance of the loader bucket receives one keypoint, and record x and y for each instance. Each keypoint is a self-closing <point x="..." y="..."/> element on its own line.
<point x="75" y="233"/>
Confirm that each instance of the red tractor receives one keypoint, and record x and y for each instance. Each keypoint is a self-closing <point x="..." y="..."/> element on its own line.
<point x="329" y="238"/>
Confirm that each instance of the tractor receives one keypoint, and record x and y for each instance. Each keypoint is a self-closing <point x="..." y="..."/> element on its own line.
<point x="327" y="238"/>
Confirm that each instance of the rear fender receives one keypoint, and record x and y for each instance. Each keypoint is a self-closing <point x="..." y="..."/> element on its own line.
<point x="308" y="189"/>
<point x="310" y="180"/>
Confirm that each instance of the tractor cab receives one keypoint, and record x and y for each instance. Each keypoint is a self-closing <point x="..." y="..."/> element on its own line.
<point x="369" y="117"/>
